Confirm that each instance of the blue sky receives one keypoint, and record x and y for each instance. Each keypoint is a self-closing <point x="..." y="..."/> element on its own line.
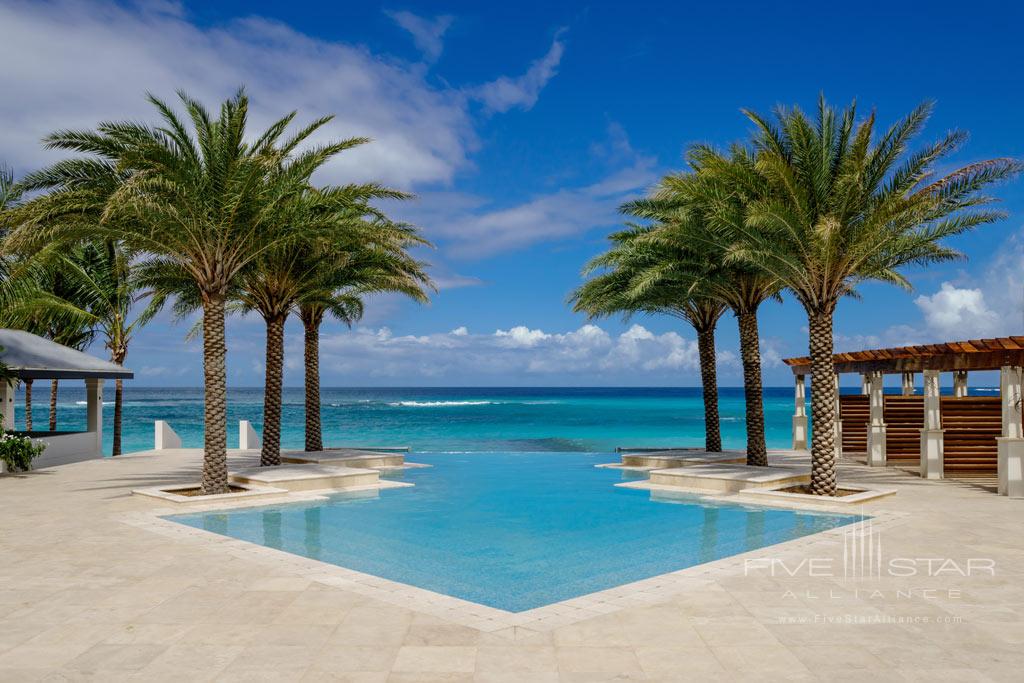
<point x="521" y="127"/>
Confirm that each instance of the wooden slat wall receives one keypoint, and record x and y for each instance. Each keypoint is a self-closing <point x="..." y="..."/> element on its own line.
<point x="904" y="419"/>
<point x="971" y="425"/>
<point x="854" y="411"/>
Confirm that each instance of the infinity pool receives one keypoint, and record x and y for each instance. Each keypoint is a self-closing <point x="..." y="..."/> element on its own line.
<point x="514" y="530"/>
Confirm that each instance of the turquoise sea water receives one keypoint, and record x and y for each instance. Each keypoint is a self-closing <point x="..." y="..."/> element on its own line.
<point x="446" y="419"/>
<point x="514" y="530"/>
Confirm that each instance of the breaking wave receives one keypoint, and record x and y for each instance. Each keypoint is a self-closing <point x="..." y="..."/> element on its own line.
<point x="440" y="404"/>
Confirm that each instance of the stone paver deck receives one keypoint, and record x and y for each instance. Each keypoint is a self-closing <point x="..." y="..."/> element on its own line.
<point x="86" y="595"/>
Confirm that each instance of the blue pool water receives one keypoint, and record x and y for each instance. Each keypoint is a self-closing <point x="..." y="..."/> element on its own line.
<point x="514" y="530"/>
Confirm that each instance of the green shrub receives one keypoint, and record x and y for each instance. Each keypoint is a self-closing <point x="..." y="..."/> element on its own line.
<point x="18" y="452"/>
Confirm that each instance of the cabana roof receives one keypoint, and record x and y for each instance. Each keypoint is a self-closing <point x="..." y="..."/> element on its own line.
<point x="973" y="354"/>
<point x="29" y="356"/>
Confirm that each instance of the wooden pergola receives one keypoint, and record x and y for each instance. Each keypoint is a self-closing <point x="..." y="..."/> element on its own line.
<point x="957" y="434"/>
<point x="973" y="354"/>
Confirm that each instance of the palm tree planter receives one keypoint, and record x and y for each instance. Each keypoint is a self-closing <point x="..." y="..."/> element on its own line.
<point x="827" y="206"/>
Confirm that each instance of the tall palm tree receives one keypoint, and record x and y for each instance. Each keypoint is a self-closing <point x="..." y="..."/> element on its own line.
<point x="829" y="204"/>
<point x="275" y="283"/>
<point x="197" y="194"/>
<point x="617" y="290"/>
<point x="100" y="291"/>
<point x="688" y="206"/>
<point x="337" y="288"/>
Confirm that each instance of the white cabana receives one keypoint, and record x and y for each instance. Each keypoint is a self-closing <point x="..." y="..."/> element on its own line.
<point x="31" y="357"/>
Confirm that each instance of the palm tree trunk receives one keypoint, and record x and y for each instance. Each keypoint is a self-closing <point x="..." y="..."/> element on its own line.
<point x="215" y="415"/>
<point x="271" y="453"/>
<point x="311" y="341"/>
<point x="28" y="405"/>
<point x="823" y="404"/>
<point x="709" y="382"/>
<point x="750" y="353"/>
<point x="118" y="358"/>
<point x="53" y="405"/>
<point x="118" y="403"/>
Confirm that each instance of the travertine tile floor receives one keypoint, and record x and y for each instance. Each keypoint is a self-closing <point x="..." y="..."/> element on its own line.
<point x="86" y="595"/>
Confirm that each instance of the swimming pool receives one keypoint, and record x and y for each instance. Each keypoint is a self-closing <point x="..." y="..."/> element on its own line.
<point x="514" y="531"/>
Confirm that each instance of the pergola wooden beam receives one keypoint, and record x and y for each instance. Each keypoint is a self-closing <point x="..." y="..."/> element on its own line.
<point x="972" y="354"/>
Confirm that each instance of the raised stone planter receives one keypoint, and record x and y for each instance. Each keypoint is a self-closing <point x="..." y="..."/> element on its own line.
<point x="862" y="495"/>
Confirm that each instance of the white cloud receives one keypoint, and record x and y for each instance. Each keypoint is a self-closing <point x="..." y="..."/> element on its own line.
<point x="588" y="353"/>
<point x="426" y="33"/>
<point x="473" y="227"/>
<point x="73" y="63"/>
<point x="958" y="312"/>
<point x="521" y="337"/>
<point x="521" y="92"/>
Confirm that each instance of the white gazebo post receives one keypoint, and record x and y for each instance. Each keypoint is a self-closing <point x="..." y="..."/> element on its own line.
<point x="839" y="422"/>
<point x="908" y="384"/>
<point x="932" y="434"/>
<point x="7" y="403"/>
<point x="94" y="410"/>
<point x="960" y="383"/>
<point x="1010" y="449"/>
<point x="800" y="415"/>
<point x="876" y="424"/>
<point x="865" y="383"/>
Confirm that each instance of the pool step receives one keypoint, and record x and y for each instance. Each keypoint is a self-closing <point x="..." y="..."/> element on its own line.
<point x="347" y="457"/>
<point x="668" y="459"/>
<point x="723" y="478"/>
<point x="312" y="477"/>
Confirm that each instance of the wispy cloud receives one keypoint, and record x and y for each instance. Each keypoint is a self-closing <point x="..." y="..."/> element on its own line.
<point x="472" y="227"/>
<point x="521" y="92"/>
<point x="427" y="34"/>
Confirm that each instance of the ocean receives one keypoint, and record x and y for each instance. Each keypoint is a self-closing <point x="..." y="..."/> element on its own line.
<point x="445" y="419"/>
<point x="441" y="419"/>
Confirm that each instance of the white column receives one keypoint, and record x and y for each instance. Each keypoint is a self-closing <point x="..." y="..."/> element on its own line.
<point x="1009" y="445"/>
<point x="800" y="414"/>
<point x="865" y="383"/>
<point x="908" y="384"/>
<point x="164" y="436"/>
<point x="94" y="411"/>
<point x="876" y="424"/>
<point x="7" y="404"/>
<point x="960" y="383"/>
<point x="932" y="434"/>
<point x="838" y="427"/>
<point x="248" y="439"/>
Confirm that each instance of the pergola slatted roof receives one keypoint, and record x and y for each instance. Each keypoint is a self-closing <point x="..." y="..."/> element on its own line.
<point x="971" y="354"/>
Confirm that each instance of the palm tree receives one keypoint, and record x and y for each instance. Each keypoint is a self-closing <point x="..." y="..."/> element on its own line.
<point x="337" y="287"/>
<point x="829" y="204"/>
<point x="197" y="194"/>
<point x="100" y="291"/>
<point x="680" y="204"/>
<point x="275" y="283"/>
<point x="616" y="291"/>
